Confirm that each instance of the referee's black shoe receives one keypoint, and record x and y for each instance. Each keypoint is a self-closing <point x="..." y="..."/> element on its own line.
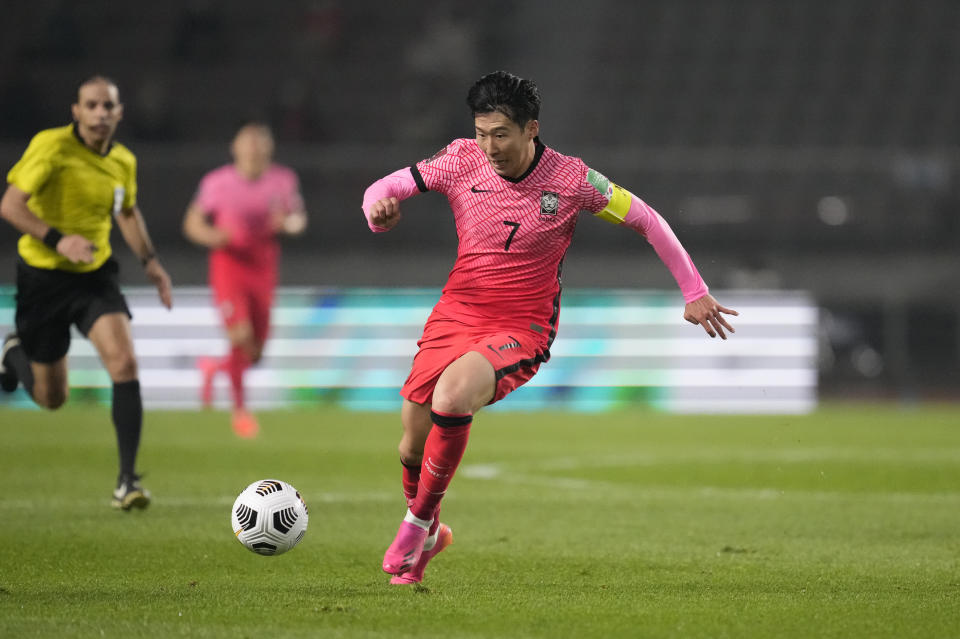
<point x="8" y="378"/>
<point x="130" y="494"/>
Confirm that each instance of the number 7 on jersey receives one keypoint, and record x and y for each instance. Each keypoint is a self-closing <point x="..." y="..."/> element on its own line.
<point x="516" y="226"/>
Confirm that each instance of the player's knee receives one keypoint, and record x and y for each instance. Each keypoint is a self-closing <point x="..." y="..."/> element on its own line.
<point x="247" y="346"/>
<point x="453" y="395"/>
<point x="50" y="398"/>
<point x="57" y="400"/>
<point x="453" y="399"/>
<point x="409" y="455"/>
<point x="123" y="367"/>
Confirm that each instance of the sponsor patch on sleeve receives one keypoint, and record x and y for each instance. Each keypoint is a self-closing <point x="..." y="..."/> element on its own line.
<point x="600" y="182"/>
<point x="436" y="156"/>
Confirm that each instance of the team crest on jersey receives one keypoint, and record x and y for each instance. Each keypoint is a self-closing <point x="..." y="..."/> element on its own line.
<point x="549" y="205"/>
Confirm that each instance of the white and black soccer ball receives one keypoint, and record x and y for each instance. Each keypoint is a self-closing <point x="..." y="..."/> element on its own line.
<point x="269" y="517"/>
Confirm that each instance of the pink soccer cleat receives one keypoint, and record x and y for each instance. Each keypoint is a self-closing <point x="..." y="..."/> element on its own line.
<point x="406" y="548"/>
<point x="244" y="424"/>
<point x="415" y="574"/>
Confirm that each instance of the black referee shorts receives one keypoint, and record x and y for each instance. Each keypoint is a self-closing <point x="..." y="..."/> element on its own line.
<point x="49" y="301"/>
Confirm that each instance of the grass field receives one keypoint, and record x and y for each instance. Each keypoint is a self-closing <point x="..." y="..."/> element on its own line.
<point x="845" y="523"/>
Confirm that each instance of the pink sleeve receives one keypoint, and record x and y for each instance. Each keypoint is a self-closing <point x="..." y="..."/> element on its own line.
<point x="204" y="196"/>
<point x="649" y="223"/>
<point x="399" y="184"/>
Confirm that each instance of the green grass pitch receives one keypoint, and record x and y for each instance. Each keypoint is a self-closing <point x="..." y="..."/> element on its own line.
<point x="844" y="523"/>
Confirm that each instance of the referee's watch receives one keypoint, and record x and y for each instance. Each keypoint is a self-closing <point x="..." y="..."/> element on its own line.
<point x="52" y="238"/>
<point x="146" y="258"/>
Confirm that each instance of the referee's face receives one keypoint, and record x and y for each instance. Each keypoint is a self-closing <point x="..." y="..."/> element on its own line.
<point x="97" y="113"/>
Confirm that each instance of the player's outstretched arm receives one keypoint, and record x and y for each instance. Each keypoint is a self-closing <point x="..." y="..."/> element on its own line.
<point x="623" y="207"/>
<point x="708" y="313"/>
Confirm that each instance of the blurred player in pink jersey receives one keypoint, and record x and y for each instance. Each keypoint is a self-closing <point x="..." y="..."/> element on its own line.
<point x="238" y="212"/>
<point x="515" y="202"/>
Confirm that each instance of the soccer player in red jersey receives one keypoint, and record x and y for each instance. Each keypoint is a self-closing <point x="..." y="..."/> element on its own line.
<point x="515" y="202"/>
<point x="237" y="213"/>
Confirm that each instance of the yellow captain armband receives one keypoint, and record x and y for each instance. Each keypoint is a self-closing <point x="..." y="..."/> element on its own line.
<point x="618" y="198"/>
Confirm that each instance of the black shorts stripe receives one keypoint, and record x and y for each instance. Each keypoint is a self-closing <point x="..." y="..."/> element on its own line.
<point x="446" y="421"/>
<point x="418" y="179"/>
<point x="539" y="358"/>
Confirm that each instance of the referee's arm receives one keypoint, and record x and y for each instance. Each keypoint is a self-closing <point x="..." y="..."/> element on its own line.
<point x="134" y="232"/>
<point x="14" y="209"/>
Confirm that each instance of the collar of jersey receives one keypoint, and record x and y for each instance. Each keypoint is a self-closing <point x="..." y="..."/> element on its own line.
<point x="76" y="134"/>
<point x="538" y="153"/>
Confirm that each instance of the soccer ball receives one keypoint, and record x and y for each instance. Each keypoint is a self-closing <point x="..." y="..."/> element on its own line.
<point x="269" y="517"/>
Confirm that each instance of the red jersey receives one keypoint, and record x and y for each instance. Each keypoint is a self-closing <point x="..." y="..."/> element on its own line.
<point x="513" y="232"/>
<point x="244" y="208"/>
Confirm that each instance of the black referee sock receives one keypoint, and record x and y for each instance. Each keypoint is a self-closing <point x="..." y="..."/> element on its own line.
<point x="128" y="421"/>
<point x="17" y="361"/>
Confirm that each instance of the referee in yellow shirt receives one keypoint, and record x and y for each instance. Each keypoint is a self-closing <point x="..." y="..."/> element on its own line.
<point x="62" y="195"/>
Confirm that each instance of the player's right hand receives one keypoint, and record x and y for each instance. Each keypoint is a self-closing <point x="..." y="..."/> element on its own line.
<point x="77" y="249"/>
<point x="384" y="214"/>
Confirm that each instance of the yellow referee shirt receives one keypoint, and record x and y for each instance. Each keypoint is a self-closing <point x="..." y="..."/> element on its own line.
<point x="75" y="190"/>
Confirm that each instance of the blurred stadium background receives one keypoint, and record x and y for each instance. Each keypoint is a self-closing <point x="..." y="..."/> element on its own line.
<point x="810" y="147"/>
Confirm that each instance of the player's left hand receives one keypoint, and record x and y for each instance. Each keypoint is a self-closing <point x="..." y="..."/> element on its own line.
<point x="158" y="275"/>
<point x="706" y="312"/>
<point x="288" y="222"/>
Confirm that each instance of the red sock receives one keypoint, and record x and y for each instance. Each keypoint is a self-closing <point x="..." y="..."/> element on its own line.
<point x="236" y="363"/>
<point x="442" y="453"/>
<point x="410" y="479"/>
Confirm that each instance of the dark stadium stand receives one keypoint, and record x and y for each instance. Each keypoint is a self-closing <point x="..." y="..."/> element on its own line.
<point x="811" y="145"/>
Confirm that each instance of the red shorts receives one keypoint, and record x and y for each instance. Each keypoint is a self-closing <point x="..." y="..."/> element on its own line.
<point x="515" y="354"/>
<point x="242" y="298"/>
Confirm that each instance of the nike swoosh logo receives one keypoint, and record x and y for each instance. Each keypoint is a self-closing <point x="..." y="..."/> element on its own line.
<point x="474" y="189"/>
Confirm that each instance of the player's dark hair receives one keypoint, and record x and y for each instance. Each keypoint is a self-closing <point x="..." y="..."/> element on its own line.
<point x="505" y="93"/>
<point x="252" y="119"/>
<point x="97" y="79"/>
<point x="254" y="123"/>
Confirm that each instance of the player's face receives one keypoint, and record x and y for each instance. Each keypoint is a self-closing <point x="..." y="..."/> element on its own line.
<point x="97" y="112"/>
<point x="508" y="146"/>
<point x="253" y="150"/>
